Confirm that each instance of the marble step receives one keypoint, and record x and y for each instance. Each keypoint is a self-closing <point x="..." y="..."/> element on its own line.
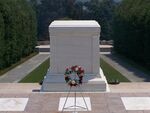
<point x="57" y="87"/>
<point x="56" y="83"/>
<point x="91" y="83"/>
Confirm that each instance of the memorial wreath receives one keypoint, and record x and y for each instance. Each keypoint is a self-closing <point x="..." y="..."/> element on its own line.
<point x="74" y="75"/>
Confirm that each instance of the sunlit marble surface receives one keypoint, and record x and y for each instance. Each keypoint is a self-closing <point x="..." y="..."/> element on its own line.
<point x="13" y="104"/>
<point x="136" y="103"/>
<point x="71" y="102"/>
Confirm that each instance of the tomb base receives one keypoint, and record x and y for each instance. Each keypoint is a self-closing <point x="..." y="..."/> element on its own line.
<point x="91" y="83"/>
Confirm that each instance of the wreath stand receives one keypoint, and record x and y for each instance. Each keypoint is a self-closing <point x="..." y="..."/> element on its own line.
<point x="75" y="106"/>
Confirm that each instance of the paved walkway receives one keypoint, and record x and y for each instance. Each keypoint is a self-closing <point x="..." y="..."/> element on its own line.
<point x="123" y="87"/>
<point x="125" y="69"/>
<point x="130" y="87"/>
<point x="18" y="73"/>
<point x="48" y="102"/>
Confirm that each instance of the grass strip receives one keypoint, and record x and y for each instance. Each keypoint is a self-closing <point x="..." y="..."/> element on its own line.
<point x="38" y="74"/>
<point x="111" y="73"/>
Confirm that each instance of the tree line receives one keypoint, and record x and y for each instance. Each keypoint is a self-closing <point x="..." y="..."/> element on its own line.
<point x="49" y="10"/>
<point x="18" y="29"/>
<point x="131" y="30"/>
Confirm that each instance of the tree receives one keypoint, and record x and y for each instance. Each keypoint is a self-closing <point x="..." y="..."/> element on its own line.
<point x="50" y="10"/>
<point x="18" y="36"/>
<point x="131" y="30"/>
<point x="1" y="40"/>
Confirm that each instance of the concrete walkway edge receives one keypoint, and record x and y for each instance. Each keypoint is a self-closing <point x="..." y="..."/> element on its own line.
<point x="131" y="73"/>
<point x="19" y="72"/>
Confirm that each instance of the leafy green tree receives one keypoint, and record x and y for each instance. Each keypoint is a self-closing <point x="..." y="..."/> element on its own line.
<point x="100" y="10"/>
<point x="18" y="37"/>
<point x="131" y="30"/>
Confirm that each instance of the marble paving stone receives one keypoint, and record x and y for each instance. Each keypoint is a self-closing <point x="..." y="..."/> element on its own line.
<point x="13" y="104"/>
<point x="136" y="111"/>
<point x="70" y="102"/>
<point x="136" y="103"/>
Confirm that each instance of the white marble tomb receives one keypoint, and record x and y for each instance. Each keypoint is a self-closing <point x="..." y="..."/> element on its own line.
<point x="74" y="43"/>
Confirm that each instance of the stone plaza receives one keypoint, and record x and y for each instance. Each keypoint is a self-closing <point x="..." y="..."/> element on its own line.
<point x="137" y="94"/>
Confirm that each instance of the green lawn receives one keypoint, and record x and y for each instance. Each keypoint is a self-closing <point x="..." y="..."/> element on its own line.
<point x="18" y="63"/>
<point x="111" y="73"/>
<point x="38" y="74"/>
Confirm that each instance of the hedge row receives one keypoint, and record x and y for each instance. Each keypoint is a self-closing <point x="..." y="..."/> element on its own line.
<point x="132" y="30"/>
<point x="17" y="31"/>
